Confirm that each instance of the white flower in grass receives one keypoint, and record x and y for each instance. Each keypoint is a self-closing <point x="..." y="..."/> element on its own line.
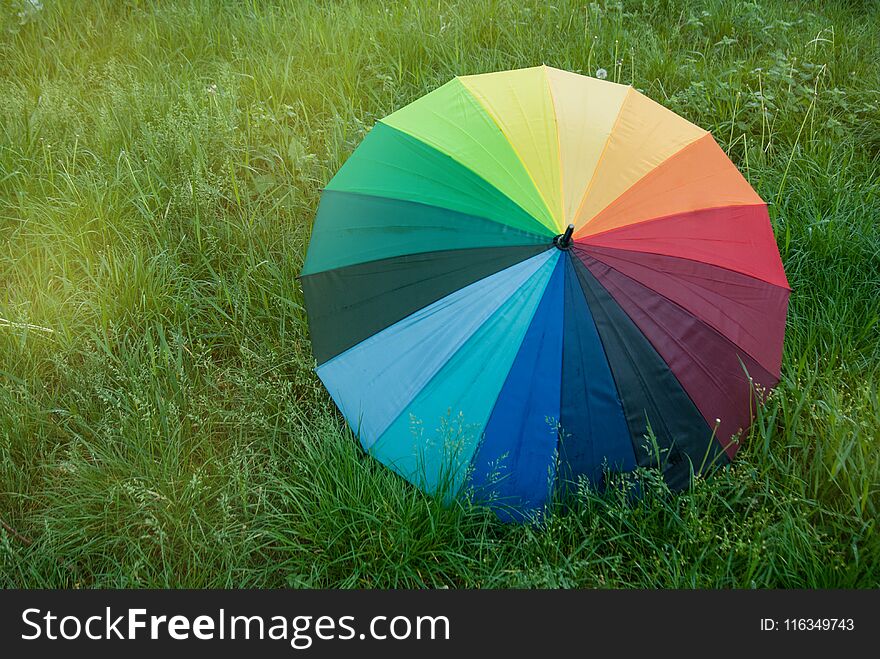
<point x="601" y="74"/>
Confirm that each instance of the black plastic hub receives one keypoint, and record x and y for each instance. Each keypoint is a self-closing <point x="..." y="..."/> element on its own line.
<point x="563" y="240"/>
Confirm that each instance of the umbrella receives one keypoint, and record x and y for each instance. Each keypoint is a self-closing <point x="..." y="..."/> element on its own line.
<point x="530" y="278"/>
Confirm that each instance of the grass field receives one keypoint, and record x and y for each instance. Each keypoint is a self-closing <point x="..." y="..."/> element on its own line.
<point x="160" y="167"/>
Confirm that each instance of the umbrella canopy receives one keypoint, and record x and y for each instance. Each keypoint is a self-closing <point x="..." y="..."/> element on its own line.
<point x="531" y="277"/>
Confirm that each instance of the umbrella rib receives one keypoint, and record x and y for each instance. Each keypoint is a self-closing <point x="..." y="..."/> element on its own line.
<point x="634" y="367"/>
<point x="589" y="187"/>
<point x="498" y="123"/>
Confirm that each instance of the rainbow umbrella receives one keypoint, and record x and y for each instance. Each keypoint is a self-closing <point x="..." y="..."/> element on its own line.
<point x="532" y="277"/>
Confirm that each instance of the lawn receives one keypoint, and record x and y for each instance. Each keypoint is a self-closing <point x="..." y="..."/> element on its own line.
<point x="161" y="424"/>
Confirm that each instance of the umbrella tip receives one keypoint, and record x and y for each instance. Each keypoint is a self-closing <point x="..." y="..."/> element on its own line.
<point x="563" y="240"/>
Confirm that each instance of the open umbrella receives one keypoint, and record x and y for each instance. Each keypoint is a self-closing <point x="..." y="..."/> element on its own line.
<point x="532" y="277"/>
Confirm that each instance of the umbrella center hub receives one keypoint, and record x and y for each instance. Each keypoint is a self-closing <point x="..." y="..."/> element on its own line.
<point x="563" y="240"/>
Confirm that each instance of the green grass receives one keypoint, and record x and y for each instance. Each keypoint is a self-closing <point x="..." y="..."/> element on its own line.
<point x="160" y="167"/>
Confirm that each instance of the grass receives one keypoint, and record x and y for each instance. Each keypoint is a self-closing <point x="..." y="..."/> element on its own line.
<point x="160" y="167"/>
